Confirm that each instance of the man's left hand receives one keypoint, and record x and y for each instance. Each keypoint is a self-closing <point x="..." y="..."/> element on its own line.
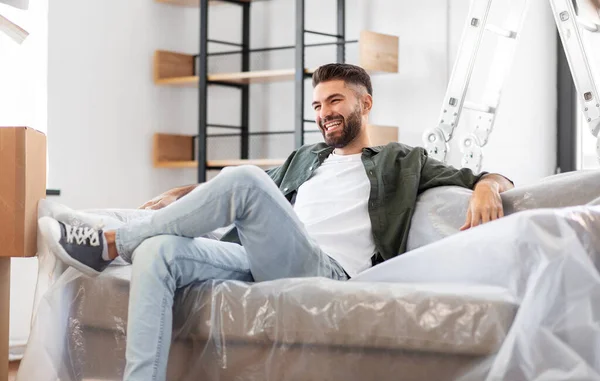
<point x="485" y="205"/>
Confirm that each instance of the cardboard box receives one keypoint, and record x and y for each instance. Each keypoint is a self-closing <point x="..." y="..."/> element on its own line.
<point x="22" y="185"/>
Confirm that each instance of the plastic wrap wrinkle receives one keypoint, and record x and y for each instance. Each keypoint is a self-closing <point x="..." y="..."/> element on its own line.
<point x="516" y="299"/>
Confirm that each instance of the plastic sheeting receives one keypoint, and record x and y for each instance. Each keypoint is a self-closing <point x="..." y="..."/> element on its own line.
<point x="440" y="212"/>
<point x="516" y="299"/>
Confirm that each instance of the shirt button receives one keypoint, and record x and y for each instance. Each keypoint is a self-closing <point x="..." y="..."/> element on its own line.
<point x="370" y="172"/>
<point x="285" y="189"/>
<point x="310" y="169"/>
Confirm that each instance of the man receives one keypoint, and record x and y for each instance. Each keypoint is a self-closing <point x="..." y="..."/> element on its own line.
<point x="333" y="209"/>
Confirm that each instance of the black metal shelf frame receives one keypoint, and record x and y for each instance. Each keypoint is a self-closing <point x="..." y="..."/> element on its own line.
<point x="245" y="51"/>
<point x="286" y="47"/>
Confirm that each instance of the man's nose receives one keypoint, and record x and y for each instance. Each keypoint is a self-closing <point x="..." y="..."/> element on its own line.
<point x="325" y="112"/>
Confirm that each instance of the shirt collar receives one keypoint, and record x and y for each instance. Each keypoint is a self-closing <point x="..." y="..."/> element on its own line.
<point x="374" y="150"/>
<point x="328" y="150"/>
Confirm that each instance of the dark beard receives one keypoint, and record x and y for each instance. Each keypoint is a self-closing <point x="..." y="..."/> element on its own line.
<point x="350" y="130"/>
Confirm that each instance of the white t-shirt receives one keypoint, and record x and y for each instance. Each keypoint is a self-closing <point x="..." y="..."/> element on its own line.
<point x="332" y="204"/>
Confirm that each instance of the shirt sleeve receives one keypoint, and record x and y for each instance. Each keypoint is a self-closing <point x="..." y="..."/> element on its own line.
<point x="434" y="173"/>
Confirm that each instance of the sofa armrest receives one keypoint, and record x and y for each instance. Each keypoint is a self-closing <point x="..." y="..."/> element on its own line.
<point x="440" y="212"/>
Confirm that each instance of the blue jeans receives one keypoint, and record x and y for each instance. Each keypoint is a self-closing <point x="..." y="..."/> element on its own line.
<point x="166" y="256"/>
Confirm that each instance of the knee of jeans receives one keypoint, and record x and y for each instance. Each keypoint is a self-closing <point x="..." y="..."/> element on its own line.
<point x="244" y="173"/>
<point x="155" y="253"/>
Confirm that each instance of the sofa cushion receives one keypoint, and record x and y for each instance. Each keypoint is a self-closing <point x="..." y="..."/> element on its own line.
<point x="316" y="311"/>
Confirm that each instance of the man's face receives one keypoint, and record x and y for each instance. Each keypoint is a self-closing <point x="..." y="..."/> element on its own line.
<point x="338" y="112"/>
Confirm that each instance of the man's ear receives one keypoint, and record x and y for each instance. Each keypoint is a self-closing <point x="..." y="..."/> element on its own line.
<point x="367" y="103"/>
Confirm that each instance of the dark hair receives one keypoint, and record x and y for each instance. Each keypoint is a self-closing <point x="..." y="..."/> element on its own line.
<point x="348" y="73"/>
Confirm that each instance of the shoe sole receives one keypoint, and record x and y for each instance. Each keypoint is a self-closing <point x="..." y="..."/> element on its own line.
<point x="47" y="225"/>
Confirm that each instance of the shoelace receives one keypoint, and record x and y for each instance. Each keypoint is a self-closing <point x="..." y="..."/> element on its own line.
<point x="81" y="234"/>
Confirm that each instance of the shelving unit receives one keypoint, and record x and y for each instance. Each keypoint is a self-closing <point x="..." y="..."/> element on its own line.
<point x="196" y="3"/>
<point x="177" y="151"/>
<point x="177" y="69"/>
<point x="378" y="53"/>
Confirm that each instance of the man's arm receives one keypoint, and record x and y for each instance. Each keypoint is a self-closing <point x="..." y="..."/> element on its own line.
<point x="434" y="174"/>
<point x="486" y="204"/>
<point x="168" y="197"/>
<point x="501" y="183"/>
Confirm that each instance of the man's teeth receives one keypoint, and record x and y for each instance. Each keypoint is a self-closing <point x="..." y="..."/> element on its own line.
<point x="332" y="124"/>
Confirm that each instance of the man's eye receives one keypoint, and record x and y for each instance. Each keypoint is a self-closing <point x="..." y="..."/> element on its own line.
<point x="335" y="100"/>
<point x="317" y="108"/>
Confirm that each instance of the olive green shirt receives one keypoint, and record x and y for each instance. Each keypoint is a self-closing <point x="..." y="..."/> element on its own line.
<point x="397" y="173"/>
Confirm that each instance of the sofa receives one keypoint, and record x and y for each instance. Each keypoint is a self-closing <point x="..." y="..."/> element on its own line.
<point x="506" y="300"/>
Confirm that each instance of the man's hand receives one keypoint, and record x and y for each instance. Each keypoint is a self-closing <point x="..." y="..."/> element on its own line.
<point x="167" y="198"/>
<point x="486" y="204"/>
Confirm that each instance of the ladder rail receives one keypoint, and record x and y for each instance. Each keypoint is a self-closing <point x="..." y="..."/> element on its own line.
<point x="436" y="139"/>
<point x="577" y="27"/>
<point x="483" y="110"/>
<point x="482" y="126"/>
<point x="577" y="50"/>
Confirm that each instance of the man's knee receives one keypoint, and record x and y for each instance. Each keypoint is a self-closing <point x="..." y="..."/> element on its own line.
<point x="246" y="174"/>
<point x="152" y="253"/>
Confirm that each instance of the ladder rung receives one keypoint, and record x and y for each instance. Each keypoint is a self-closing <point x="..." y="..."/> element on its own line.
<point x="588" y="25"/>
<point x="478" y="107"/>
<point x="501" y="31"/>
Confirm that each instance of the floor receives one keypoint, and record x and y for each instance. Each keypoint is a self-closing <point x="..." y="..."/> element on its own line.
<point x="12" y="370"/>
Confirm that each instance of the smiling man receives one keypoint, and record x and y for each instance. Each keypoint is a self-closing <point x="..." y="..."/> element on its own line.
<point x="332" y="210"/>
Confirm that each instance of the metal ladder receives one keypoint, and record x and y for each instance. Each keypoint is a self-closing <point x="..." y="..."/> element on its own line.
<point x="578" y="22"/>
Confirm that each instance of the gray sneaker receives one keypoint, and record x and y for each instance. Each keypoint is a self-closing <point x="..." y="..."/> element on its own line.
<point x="77" y="246"/>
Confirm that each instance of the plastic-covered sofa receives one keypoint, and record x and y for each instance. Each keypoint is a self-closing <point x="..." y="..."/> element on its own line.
<point x="515" y="299"/>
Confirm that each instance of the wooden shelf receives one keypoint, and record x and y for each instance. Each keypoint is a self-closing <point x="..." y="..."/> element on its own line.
<point x="173" y="151"/>
<point x="382" y="135"/>
<point x="178" y="81"/>
<point x="176" y="164"/>
<point x="257" y="162"/>
<point x="177" y="69"/>
<point x="177" y="151"/>
<point x="256" y="76"/>
<point x="221" y="163"/>
<point x="378" y="53"/>
<point x="235" y="78"/>
<point x="193" y="3"/>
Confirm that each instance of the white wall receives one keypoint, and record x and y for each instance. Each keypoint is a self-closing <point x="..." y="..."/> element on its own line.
<point x="524" y="139"/>
<point x="409" y="99"/>
<point x="104" y="107"/>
